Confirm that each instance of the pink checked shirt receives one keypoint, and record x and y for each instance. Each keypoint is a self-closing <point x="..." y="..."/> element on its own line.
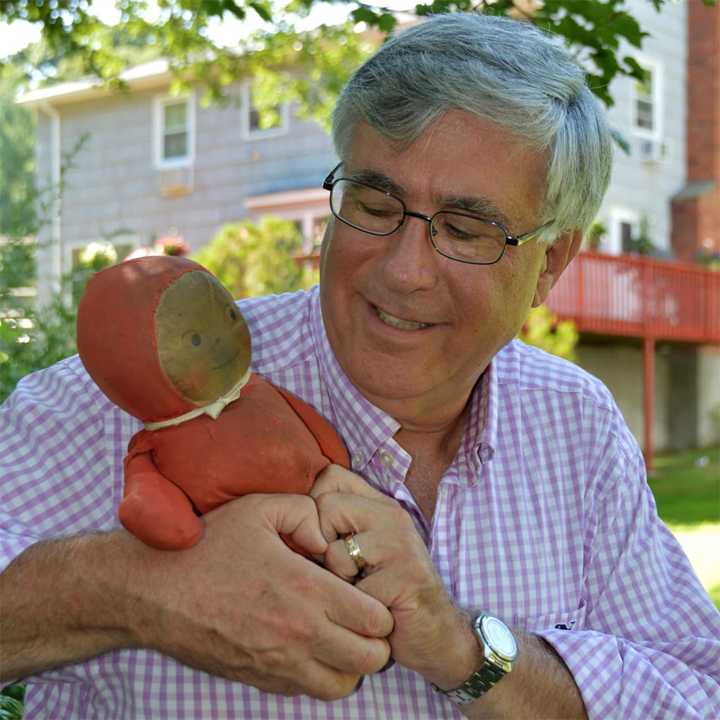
<point x="544" y="518"/>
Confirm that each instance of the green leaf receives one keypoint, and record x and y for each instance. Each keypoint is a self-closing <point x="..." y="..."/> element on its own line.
<point x="262" y="9"/>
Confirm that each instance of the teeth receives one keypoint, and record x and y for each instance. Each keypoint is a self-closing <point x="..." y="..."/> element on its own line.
<point x="398" y="323"/>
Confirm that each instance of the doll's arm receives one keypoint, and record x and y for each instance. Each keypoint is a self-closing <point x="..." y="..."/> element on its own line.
<point x="331" y="445"/>
<point x="154" y="509"/>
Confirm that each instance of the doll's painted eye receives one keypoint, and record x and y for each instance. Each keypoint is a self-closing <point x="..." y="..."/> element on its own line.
<point x="196" y="339"/>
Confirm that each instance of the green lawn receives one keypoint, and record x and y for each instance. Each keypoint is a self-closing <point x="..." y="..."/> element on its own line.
<point x="687" y="491"/>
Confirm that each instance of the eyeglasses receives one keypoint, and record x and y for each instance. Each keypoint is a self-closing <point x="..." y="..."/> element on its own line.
<point x="455" y="235"/>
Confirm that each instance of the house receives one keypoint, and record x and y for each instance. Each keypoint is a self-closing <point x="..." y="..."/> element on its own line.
<point x="149" y="162"/>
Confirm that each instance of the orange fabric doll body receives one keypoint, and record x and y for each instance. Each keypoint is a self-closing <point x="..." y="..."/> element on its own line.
<point x="175" y="343"/>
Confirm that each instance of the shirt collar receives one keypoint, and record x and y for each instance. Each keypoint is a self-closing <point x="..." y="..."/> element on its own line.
<point x="365" y="427"/>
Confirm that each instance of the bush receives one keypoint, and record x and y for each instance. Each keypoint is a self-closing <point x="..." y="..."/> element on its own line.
<point x="543" y="330"/>
<point x="253" y="259"/>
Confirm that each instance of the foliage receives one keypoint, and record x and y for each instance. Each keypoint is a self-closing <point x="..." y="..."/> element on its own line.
<point x="686" y="486"/>
<point x="253" y="259"/>
<point x="710" y="259"/>
<point x="33" y="338"/>
<point x="641" y="243"/>
<point x="595" y="235"/>
<point x="17" y="160"/>
<point x="11" y="699"/>
<point x="543" y="330"/>
<point x="308" y="66"/>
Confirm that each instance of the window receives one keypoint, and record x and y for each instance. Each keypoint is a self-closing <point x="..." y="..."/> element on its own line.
<point x="255" y="125"/>
<point x="624" y="227"/>
<point x="174" y="131"/>
<point x="647" y="102"/>
<point x="85" y="260"/>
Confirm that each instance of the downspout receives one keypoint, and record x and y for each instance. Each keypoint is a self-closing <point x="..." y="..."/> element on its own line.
<point x="55" y="178"/>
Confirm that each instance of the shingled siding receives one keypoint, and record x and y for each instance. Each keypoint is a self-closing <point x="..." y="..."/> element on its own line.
<point x="644" y="187"/>
<point x="113" y="185"/>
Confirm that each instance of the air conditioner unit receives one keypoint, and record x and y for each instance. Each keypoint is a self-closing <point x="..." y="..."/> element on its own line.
<point x="651" y="151"/>
<point x="176" y="182"/>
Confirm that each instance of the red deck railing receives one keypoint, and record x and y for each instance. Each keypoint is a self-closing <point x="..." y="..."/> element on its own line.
<point x="641" y="297"/>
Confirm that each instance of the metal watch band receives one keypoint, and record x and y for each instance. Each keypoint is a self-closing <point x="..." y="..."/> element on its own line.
<point x="494" y="668"/>
<point x="476" y="685"/>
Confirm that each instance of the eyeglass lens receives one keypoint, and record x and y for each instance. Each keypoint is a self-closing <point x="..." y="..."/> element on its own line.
<point x="459" y="236"/>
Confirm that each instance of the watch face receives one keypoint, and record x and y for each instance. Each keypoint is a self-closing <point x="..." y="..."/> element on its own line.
<point x="500" y="639"/>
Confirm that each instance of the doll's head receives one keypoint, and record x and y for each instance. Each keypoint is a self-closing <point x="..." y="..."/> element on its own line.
<point x="160" y="336"/>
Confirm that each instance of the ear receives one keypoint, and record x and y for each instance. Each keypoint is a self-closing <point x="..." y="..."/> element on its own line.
<point x="557" y="258"/>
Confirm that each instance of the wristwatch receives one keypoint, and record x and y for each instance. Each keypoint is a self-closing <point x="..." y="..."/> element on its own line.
<point x="500" y="651"/>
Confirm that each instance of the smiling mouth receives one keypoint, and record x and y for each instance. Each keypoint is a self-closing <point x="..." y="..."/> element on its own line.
<point x="225" y="363"/>
<point x="399" y="323"/>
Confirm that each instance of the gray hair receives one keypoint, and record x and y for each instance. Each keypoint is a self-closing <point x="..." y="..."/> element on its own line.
<point x="502" y="70"/>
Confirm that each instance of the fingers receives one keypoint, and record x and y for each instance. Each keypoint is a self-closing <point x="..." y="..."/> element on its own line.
<point x="297" y="517"/>
<point x="348" y="652"/>
<point x="355" y="611"/>
<point x="339" y="560"/>
<point x="308" y="677"/>
<point x="342" y="513"/>
<point x="336" y="479"/>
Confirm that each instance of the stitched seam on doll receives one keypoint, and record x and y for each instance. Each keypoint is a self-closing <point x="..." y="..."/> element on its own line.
<point x="212" y="409"/>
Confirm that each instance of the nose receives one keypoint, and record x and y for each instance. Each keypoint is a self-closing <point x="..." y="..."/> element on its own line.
<point x="410" y="262"/>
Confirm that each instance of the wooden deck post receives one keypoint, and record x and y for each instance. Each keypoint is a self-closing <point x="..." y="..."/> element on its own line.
<point x="648" y="398"/>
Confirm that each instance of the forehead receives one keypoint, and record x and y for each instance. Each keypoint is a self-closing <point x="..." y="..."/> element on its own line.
<point x="458" y="157"/>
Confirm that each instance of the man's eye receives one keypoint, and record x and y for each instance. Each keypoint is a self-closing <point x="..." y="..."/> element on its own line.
<point x="459" y="234"/>
<point x="377" y="211"/>
<point x="196" y="339"/>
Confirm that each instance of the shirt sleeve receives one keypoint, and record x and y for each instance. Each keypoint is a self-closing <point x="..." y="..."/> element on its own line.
<point x="59" y="475"/>
<point x="647" y="643"/>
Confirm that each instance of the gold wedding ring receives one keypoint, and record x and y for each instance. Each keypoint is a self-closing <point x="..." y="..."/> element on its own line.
<point x="354" y="552"/>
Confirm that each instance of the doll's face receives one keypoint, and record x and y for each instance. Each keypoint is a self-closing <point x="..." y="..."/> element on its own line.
<point x="202" y="339"/>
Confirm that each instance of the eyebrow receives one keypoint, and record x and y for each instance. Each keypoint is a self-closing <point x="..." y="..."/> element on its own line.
<point x="480" y="206"/>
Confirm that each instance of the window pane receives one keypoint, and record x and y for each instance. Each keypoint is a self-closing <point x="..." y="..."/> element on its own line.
<point x="645" y="113"/>
<point x="175" y="116"/>
<point x="644" y="88"/>
<point x="644" y="108"/>
<point x="272" y="119"/>
<point x="175" y="145"/>
<point x="626" y="235"/>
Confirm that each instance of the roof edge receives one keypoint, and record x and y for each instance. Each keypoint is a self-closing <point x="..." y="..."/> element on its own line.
<point x="151" y="74"/>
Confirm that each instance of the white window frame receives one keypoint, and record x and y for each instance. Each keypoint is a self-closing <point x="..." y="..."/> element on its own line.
<point x="158" y="111"/>
<point x="656" y="68"/>
<point x="619" y="215"/>
<point x="248" y="133"/>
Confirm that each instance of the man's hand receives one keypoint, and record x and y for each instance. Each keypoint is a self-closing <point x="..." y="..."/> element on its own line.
<point x="431" y="636"/>
<point x="242" y="605"/>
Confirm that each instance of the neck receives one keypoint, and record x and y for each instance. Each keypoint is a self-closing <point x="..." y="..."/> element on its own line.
<point x="428" y="425"/>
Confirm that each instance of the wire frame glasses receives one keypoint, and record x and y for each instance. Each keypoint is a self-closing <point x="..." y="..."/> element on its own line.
<point x="457" y="235"/>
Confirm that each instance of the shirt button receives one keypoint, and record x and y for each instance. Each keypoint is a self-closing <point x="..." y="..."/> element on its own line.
<point x="357" y="459"/>
<point x="386" y="458"/>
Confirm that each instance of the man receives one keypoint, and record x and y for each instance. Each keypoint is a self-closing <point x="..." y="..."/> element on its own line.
<point x="497" y="522"/>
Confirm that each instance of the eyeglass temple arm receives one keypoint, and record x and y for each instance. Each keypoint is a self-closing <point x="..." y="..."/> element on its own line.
<point x="330" y="179"/>
<point x="525" y="237"/>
